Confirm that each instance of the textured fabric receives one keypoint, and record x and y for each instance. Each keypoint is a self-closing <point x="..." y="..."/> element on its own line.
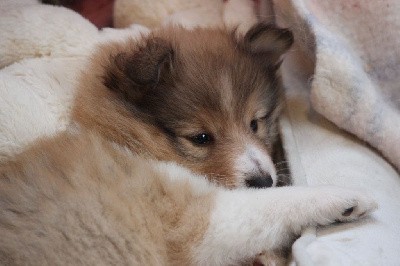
<point x="320" y="153"/>
<point x="342" y="70"/>
<point x="356" y="83"/>
<point x="42" y="50"/>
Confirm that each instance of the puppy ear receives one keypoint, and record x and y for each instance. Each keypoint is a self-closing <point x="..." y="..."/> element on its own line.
<point x="133" y="73"/>
<point x="268" y="42"/>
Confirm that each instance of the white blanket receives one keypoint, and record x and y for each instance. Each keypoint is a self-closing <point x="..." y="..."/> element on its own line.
<point x="320" y="153"/>
<point x="42" y="50"/>
<point x="356" y="82"/>
<point x="345" y="67"/>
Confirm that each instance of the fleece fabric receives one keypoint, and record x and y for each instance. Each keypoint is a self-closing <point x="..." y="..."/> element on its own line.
<point x="342" y="125"/>
<point x="42" y="51"/>
<point x="356" y="81"/>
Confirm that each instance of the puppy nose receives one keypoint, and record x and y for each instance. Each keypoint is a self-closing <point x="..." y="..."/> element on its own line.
<point x="260" y="181"/>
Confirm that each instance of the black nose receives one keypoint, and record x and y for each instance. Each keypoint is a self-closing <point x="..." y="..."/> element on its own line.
<point x="260" y="181"/>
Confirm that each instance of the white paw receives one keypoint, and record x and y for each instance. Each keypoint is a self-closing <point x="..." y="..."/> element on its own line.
<point x="339" y="204"/>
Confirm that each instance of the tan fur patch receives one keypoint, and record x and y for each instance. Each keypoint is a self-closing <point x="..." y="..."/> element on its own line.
<point x="78" y="200"/>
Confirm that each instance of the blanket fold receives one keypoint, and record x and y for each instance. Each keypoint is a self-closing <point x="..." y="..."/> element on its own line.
<point x="345" y="68"/>
<point x="356" y="81"/>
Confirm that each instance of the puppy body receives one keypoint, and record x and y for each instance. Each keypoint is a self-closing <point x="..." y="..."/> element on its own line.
<point x="202" y="99"/>
<point x="77" y="199"/>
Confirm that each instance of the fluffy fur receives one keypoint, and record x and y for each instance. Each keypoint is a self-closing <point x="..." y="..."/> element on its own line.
<point x="98" y="193"/>
<point x="158" y="95"/>
<point x="77" y="199"/>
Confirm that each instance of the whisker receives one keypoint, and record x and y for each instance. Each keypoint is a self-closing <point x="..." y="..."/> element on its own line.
<point x="283" y="161"/>
<point x="283" y="169"/>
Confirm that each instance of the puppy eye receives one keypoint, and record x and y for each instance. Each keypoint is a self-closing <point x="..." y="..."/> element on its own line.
<point x="202" y="139"/>
<point x="254" y="125"/>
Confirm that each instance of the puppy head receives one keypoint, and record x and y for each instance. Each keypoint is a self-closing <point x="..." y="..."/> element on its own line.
<point x="216" y="99"/>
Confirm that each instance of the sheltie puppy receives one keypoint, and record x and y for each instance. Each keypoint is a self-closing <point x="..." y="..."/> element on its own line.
<point x="168" y="132"/>
<point x="200" y="98"/>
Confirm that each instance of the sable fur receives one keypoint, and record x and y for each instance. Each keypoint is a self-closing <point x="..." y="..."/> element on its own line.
<point x="153" y="95"/>
<point x="78" y="199"/>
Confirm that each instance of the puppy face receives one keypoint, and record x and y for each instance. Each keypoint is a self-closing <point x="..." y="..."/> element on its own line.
<point x="209" y="99"/>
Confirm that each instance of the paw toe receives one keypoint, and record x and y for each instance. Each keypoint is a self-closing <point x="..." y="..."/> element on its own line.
<point x="348" y="211"/>
<point x="364" y="205"/>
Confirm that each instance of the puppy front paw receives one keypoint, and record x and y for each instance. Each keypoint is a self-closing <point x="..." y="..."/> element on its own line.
<point x="360" y="205"/>
<point x="345" y="205"/>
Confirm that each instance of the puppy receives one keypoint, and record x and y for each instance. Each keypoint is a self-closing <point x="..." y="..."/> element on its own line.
<point x="100" y="194"/>
<point x="200" y="98"/>
<point x="78" y="199"/>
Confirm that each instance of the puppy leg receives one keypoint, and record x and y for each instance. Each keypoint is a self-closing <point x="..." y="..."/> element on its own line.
<point x="245" y="223"/>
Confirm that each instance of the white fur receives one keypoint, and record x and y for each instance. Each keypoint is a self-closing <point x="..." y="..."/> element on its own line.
<point x="176" y="173"/>
<point x="246" y="222"/>
<point x="255" y="161"/>
<point x="171" y="171"/>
